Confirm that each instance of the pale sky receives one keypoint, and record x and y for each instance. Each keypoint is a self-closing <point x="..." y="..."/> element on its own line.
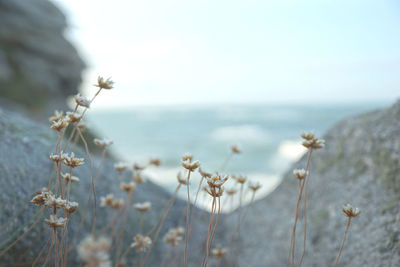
<point x="208" y="51"/>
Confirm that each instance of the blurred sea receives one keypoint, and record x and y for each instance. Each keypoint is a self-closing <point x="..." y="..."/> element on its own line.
<point x="268" y="135"/>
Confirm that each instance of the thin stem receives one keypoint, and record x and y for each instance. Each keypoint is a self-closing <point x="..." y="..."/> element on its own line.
<point x="344" y="239"/>
<point x="209" y="231"/>
<point x="167" y="256"/>
<point x="194" y="205"/>
<point x="240" y="221"/>
<point x="215" y="228"/>
<point x="187" y="221"/>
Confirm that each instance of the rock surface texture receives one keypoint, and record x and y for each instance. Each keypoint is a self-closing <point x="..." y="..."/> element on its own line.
<point x="25" y="168"/>
<point x="38" y="66"/>
<point x="359" y="165"/>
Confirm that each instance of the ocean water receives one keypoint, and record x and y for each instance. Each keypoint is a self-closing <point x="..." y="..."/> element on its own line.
<point x="268" y="135"/>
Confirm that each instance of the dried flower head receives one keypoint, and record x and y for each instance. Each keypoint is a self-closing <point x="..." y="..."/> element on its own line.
<point x="55" y="222"/>
<point x="56" y="157"/>
<point x="137" y="167"/>
<point x="73" y="117"/>
<point x="311" y="142"/>
<point x="300" y="173"/>
<point x="82" y="101"/>
<point x="68" y="178"/>
<point x="58" y="115"/>
<point x="71" y="206"/>
<point x="181" y="180"/>
<point x="187" y="157"/>
<point x="349" y="211"/>
<point x="219" y="252"/>
<point x="104" y="84"/>
<point x="241" y="179"/>
<point x="72" y="161"/>
<point x="52" y="201"/>
<point x="95" y="251"/>
<point x="217" y="180"/>
<point x="174" y="236"/>
<point x="214" y="191"/>
<point x="191" y="166"/>
<point x="130" y="187"/>
<point x="235" y="149"/>
<point x="204" y="174"/>
<point x="107" y="200"/>
<point x="117" y="203"/>
<point x="143" y="207"/>
<point x="254" y="186"/>
<point x="155" y="162"/>
<point x="40" y="198"/>
<point x="103" y="143"/>
<point x="231" y="191"/>
<point x="59" y="125"/>
<point x="137" y="178"/>
<point x="141" y="243"/>
<point x="120" y="166"/>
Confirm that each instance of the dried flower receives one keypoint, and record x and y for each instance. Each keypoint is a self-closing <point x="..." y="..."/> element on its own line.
<point x="95" y="251"/>
<point x="59" y="125"/>
<point x="58" y="115"/>
<point x="137" y="167"/>
<point x="174" y="236"/>
<point x="40" y="198"/>
<point x="349" y="211"/>
<point x="103" y="143"/>
<point x="235" y="149"/>
<point x="300" y="173"/>
<point x="254" y="186"/>
<point x="137" y="178"/>
<point x="52" y="201"/>
<point x="217" y="180"/>
<point x="82" y="101"/>
<point x="311" y="142"/>
<point x="219" y="252"/>
<point x="141" y="243"/>
<point x="71" y="161"/>
<point x="117" y="203"/>
<point x="143" y="207"/>
<point x="204" y="174"/>
<point x="56" y="157"/>
<point x="186" y="157"/>
<point x="231" y="191"/>
<point x="241" y="179"/>
<point x="107" y="84"/>
<point x="191" y="166"/>
<point x="71" y="206"/>
<point x="181" y="180"/>
<point x="67" y="177"/>
<point x="120" y="166"/>
<point x="56" y="222"/>
<point x="107" y="200"/>
<point x="73" y="117"/>
<point x="155" y="162"/>
<point x="128" y="187"/>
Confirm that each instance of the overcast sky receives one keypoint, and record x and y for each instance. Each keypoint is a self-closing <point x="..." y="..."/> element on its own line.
<point x="210" y="51"/>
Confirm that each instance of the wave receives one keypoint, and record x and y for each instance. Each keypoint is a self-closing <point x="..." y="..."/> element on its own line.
<point x="242" y="133"/>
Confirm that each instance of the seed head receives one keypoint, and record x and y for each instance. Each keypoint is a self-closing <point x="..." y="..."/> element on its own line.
<point x="174" y="236"/>
<point x="120" y="166"/>
<point x="107" y="200"/>
<point x="67" y="177"/>
<point x="235" y="149"/>
<point x="231" y="191"/>
<point x="181" y="180"/>
<point x="59" y="125"/>
<point x="191" y="166"/>
<point x="217" y="180"/>
<point x="82" y="101"/>
<point x="104" y="84"/>
<point x="187" y="157"/>
<point x="103" y="143"/>
<point x="55" y="222"/>
<point x="137" y="178"/>
<point x="137" y="167"/>
<point x="71" y="160"/>
<point x="58" y="115"/>
<point x="349" y="211"/>
<point x="56" y="157"/>
<point x="300" y="173"/>
<point x="40" y="198"/>
<point x="73" y="117"/>
<point x="95" y="251"/>
<point x="241" y="179"/>
<point x="141" y="243"/>
<point x="117" y="203"/>
<point x="311" y="142"/>
<point x="219" y="252"/>
<point x="143" y="207"/>
<point x="155" y="162"/>
<point x="130" y="187"/>
<point x="71" y="206"/>
<point x="204" y="174"/>
<point x="254" y="186"/>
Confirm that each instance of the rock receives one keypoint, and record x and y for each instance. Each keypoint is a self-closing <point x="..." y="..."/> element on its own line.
<point x="38" y="66"/>
<point x="25" y="167"/>
<point x="360" y="165"/>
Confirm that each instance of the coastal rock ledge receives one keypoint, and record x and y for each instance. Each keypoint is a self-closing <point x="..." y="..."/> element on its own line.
<point x="360" y="165"/>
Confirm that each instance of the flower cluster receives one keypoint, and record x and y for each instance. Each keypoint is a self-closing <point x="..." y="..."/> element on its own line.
<point x="311" y="142"/>
<point x="174" y="236"/>
<point x="141" y="243"/>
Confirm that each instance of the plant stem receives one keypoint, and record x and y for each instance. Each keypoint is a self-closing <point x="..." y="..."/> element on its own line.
<point x="344" y="239"/>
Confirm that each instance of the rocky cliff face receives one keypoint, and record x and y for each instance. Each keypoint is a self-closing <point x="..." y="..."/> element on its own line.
<point x="360" y="165"/>
<point x="38" y="66"/>
<point x="25" y="167"/>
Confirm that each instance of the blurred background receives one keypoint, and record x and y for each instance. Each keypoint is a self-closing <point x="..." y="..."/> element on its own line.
<point x="200" y="76"/>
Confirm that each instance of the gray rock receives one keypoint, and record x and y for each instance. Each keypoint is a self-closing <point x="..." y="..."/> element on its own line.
<point x="38" y="66"/>
<point x="25" y="168"/>
<point x="360" y="165"/>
